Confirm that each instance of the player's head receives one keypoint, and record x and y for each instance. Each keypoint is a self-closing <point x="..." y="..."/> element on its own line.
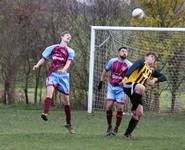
<point x="66" y="36"/>
<point x="123" y="52"/>
<point x="150" y="58"/>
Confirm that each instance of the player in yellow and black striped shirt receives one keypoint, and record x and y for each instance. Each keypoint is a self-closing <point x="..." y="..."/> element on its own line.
<point x="137" y="76"/>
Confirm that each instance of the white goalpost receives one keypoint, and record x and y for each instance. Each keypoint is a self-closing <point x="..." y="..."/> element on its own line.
<point x="167" y="42"/>
<point x="91" y="70"/>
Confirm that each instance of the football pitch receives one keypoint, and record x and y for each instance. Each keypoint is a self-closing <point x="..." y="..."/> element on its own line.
<point x="23" y="129"/>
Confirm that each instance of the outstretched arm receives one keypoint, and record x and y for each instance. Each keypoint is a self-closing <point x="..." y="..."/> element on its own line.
<point x="40" y="62"/>
<point x="45" y="55"/>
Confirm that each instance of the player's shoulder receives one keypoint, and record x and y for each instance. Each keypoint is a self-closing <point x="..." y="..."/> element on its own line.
<point x="50" y="48"/>
<point x="114" y="59"/>
<point x="70" y="50"/>
<point x="53" y="46"/>
<point x="128" y="62"/>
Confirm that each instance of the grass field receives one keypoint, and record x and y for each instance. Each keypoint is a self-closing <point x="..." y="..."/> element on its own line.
<point x="22" y="129"/>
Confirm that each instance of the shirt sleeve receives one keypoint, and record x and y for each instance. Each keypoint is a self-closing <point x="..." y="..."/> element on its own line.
<point x="129" y="64"/>
<point x="71" y="55"/>
<point x="138" y="64"/>
<point x="161" y="77"/>
<point x="109" y="65"/>
<point x="47" y="52"/>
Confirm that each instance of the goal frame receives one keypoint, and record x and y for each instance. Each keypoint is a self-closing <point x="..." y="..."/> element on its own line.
<point x="92" y="50"/>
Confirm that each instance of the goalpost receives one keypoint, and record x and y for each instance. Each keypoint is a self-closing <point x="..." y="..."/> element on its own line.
<point x="167" y="42"/>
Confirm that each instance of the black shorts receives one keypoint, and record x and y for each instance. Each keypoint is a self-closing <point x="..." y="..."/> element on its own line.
<point x="129" y="90"/>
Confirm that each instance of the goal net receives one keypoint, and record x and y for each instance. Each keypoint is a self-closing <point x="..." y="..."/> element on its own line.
<point x="168" y="43"/>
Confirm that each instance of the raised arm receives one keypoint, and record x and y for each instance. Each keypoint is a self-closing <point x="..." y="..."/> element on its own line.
<point x="45" y="55"/>
<point x="39" y="63"/>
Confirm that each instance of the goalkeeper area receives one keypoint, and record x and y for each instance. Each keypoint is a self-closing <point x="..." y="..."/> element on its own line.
<point x="21" y="128"/>
<point x="168" y="43"/>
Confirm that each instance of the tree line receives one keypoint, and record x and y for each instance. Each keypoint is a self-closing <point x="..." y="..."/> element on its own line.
<point x="27" y="27"/>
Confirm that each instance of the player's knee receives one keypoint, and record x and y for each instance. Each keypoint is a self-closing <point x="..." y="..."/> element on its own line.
<point x="66" y="103"/>
<point x="49" y="96"/>
<point x="119" y="106"/>
<point x="139" y="114"/>
<point x="109" y="104"/>
<point x="66" y="100"/>
<point x="109" y="107"/>
<point x="140" y="89"/>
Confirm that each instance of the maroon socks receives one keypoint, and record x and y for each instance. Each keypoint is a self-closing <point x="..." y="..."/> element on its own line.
<point x="68" y="114"/>
<point x="109" y="118"/>
<point x="119" y="117"/>
<point x="47" y="104"/>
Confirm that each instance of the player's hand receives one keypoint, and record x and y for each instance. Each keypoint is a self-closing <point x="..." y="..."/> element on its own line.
<point x="100" y="85"/>
<point x="61" y="71"/>
<point x="151" y="82"/>
<point x="35" y="67"/>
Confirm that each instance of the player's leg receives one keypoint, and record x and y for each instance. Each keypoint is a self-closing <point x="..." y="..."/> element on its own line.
<point x="47" y="102"/>
<point x="50" y="83"/>
<point x="119" y="116"/>
<point x="120" y="101"/>
<point x="67" y="108"/>
<point x="137" y="108"/>
<point x="109" y="106"/>
<point x="136" y="115"/>
<point x="63" y="87"/>
<point x="109" y="112"/>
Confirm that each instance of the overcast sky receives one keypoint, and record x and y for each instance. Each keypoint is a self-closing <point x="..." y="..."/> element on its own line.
<point x="89" y="1"/>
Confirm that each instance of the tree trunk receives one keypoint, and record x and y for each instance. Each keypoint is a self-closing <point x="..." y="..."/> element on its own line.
<point x="8" y="93"/>
<point x="37" y="78"/>
<point x="5" y="97"/>
<point x="26" y="90"/>
<point x="173" y="101"/>
<point x="27" y="70"/>
<point x="40" y="94"/>
<point x="26" y="94"/>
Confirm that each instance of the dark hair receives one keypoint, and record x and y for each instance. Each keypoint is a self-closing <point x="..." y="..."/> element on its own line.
<point x="65" y="32"/>
<point x="123" y="47"/>
<point x="152" y="53"/>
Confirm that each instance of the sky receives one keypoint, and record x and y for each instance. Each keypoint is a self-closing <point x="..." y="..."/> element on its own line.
<point x="89" y="1"/>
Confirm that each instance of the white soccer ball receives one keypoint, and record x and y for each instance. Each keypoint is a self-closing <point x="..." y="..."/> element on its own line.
<point x="138" y="13"/>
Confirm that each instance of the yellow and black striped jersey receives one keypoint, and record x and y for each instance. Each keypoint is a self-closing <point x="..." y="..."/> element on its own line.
<point x="140" y="72"/>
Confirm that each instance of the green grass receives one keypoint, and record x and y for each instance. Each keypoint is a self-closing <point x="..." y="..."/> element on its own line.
<point x="22" y="129"/>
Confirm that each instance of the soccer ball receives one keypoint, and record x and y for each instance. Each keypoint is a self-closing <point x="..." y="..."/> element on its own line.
<point x="138" y="13"/>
